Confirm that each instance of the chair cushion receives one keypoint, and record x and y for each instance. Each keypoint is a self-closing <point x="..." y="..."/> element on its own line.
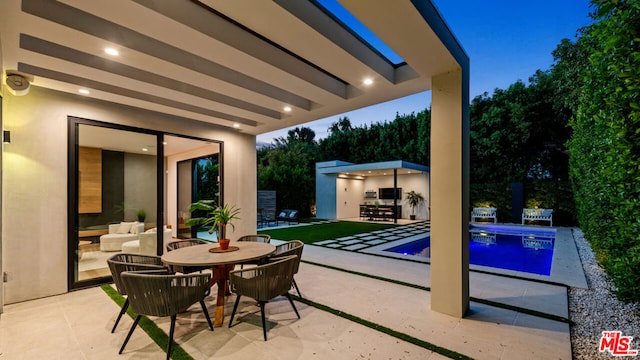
<point x="124" y="228"/>
<point x="136" y="227"/>
<point x="131" y="247"/>
<point x="113" y="242"/>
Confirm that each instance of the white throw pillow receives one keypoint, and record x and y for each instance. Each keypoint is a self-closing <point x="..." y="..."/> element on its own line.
<point x="124" y="228"/>
<point x="134" y="228"/>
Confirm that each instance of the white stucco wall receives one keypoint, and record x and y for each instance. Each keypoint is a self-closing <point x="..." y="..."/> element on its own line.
<point x="1" y="201"/>
<point x="34" y="185"/>
<point x="349" y="193"/>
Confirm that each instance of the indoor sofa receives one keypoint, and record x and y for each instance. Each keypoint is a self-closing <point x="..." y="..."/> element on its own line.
<point x="120" y="234"/>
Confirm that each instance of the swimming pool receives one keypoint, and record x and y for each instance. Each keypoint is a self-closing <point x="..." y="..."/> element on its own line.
<point x="517" y="249"/>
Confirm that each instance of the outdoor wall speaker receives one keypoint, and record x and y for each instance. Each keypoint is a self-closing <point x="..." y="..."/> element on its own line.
<point x="18" y="83"/>
<point x="6" y="136"/>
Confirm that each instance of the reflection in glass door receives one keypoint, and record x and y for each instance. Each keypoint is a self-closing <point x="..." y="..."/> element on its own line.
<point x="198" y="179"/>
<point x="116" y="182"/>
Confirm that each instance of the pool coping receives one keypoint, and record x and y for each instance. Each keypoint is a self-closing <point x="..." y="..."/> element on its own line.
<point x="566" y="266"/>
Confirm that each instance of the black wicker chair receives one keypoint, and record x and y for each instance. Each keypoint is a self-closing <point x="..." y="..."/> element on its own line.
<point x="263" y="283"/>
<point x="256" y="238"/>
<point x="159" y="293"/>
<point x="293" y="247"/>
<point x="173" y="245"/>
<point x="264" y="238"/>
<point x="121" y="262"/>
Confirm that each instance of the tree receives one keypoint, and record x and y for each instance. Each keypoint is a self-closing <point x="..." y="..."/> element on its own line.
<point x="405" y="138"/>
<point x="289" y="169"/>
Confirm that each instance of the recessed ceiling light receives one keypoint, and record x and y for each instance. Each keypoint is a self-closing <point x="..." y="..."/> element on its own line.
<point x="368" y="81"/>
<point x="84" y="91"/>
<point x="236" y="125"/>
<point x="164" y="143"/>
<point x="287" y="108"/>
<point x="145" y="149"/>
<point x="112" y="51"/>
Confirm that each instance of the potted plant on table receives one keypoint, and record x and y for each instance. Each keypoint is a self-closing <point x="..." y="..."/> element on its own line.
<point x="218" y="217"/>
<point x="414" y="199"/>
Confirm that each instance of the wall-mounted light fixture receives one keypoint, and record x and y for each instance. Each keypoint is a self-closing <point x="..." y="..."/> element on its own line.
<point x="6" y="136"/>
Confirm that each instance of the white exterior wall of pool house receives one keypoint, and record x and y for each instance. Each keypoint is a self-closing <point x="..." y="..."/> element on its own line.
<point x="339" y="195"/>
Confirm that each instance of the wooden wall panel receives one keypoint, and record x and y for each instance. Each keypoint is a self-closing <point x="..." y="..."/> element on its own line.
<point x="90" y="180"/>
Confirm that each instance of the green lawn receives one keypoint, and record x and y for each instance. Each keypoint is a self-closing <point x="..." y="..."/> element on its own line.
<point x="312" y="233"/>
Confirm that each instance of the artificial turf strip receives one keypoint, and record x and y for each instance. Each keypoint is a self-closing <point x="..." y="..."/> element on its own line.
<point x="398" y="335"/>
<point x="319" y="232"/>
<point x="155" y="333"/>
<point x="474" y="299"/>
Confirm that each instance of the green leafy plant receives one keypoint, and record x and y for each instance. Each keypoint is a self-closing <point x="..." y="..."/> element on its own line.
<point x="482" y="204"/>
<point x="141" y="215"/>
<point x="533" y="204"/>
<point x="217" y="217"/>
<point x="414" y="199"/>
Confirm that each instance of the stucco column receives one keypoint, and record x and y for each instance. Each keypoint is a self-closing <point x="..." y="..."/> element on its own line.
<point x="449" y="194"/>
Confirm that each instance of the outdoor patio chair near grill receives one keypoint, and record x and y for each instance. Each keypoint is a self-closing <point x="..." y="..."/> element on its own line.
<point x="173" y="245"/>
<point x="159" y="293"/>
<point x="293" y="247"/>
<point x="122" y="262"/>
<point x="263" y="283"/>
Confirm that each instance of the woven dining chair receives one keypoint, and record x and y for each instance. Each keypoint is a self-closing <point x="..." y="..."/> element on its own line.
<point x="159" y="293"/>
<point x="263" y="283"/>
<point x="293" y="247"/>
<point x="264" y="238"/>
<point x="256" y="238"/>
<point x="121" y="262"/>
<point x="173" y="245"/>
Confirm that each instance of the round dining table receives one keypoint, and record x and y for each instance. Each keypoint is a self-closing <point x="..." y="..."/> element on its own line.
<point x="221" y="262"/>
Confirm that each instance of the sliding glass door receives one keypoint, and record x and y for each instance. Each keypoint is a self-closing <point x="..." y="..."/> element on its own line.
<point x="124" y="184"/>
<point x="114" y="181"/>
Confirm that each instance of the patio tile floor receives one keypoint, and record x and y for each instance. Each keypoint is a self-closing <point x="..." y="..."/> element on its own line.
<point x="77" y="324"/>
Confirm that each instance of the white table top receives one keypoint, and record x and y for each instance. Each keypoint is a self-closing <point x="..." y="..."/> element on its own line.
<point x="200" y="255"/>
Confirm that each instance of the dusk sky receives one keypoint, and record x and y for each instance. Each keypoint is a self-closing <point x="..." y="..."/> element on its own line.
<point x="505" y="41"/>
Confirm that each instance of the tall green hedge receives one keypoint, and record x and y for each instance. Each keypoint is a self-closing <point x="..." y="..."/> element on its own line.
<point x="605" y="148"/>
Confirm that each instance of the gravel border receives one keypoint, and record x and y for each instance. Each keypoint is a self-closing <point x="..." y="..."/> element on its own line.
<point x="596" y="309"/>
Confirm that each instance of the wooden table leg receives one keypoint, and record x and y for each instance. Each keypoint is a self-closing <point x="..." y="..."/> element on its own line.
<point x="221" y="277"/>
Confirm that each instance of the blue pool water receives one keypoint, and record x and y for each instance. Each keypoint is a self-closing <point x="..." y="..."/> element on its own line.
<point x="525" y="251"/>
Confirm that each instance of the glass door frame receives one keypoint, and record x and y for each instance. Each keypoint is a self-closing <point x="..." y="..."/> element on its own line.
<point x="193" y="163"/>
<point x="73" y="198"/>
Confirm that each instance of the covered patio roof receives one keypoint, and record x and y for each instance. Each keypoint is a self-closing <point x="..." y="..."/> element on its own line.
<point x="260" y="66"/>
<point x="383" y="168"/>
<point x="255" y="66"/>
